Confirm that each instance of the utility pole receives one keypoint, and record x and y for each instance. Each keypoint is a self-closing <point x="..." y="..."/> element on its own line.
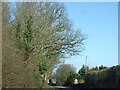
<point x="86" y="64"/>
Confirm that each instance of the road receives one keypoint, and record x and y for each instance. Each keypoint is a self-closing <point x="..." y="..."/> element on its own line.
<point x="74" y="87"/>
<point x="63" y="87"/>
<point x="59" y="87"/>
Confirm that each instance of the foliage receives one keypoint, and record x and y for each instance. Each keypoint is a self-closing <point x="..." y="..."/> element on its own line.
<point x="50" y="87"/>
<point x="95" y="68"/>
<point x="71" y="78"/>
<point x="83" y="69"/>
<point x="64" y="72"/>
<point x="102" y="67"/>
<point x="99" y="68"/>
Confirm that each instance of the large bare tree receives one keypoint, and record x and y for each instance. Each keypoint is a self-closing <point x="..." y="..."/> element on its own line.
<point x="43" y="33"/>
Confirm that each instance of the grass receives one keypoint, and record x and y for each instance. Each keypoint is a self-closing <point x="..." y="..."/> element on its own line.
<point x="50" y="86"/>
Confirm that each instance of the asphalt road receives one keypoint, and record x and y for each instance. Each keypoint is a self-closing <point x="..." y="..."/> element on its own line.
<point x="67" y="88"/>
<point x="74" y="87"/>
<point x="59" y="87"/>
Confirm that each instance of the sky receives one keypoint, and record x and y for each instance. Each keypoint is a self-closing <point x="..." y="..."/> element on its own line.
<point x="99" y="20"/>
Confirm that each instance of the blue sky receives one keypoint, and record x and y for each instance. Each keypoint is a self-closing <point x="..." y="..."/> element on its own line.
<point x="100" y="22"/>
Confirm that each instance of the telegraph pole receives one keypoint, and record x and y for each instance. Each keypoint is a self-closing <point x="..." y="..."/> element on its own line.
<point x="86" y="64"/>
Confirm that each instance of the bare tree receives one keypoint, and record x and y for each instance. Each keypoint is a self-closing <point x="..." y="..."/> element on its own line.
<point x="43" y="31"/>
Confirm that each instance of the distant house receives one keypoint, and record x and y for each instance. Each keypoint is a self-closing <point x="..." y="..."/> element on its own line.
<point x="76" y="81"/>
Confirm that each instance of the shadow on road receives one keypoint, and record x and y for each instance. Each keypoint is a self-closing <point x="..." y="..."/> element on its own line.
<point x="73" y="87"/>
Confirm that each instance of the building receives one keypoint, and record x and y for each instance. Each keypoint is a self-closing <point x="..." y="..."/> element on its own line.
<point x="76" y="81"/>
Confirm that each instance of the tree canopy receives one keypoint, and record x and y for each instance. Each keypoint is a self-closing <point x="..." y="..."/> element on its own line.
<point x="64" y="72"/>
